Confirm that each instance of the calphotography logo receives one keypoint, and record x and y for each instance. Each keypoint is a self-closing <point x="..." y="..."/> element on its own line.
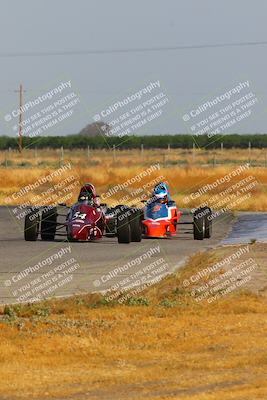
<point x="223" y="112"/>
<point x="137" y="110"/>
<point x="45" y="278"/>
<point x="39" y="115"/>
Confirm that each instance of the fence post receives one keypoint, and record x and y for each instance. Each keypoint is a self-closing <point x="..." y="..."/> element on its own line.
<point x="114" y="153"/>
<point x="62" y="156"/>
<point x="249" y="153"/>
<point x="9" y="154"/>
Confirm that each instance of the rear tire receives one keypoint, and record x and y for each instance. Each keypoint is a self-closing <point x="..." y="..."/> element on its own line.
<point x="49" y="224"/>
<point x="123" y="228"/>
<point x="199" y="224"/>
<point x="31" y="227"/>
<point x="135" y="224"/>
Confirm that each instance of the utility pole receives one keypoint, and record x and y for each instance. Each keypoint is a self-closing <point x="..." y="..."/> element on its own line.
<point x="20" y="91"/>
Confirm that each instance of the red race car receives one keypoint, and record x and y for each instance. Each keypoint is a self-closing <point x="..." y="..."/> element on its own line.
<point x="86" y="220"/>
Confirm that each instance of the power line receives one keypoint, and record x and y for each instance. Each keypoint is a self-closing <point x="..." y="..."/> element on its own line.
<point x="133" y="50"/>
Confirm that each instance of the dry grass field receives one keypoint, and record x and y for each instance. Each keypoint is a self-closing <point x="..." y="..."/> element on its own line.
<point x="185" y="170"/>
<point x="162" y="345"/>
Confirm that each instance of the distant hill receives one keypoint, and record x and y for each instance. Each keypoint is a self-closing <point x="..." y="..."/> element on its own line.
<point x="95" y="129"/>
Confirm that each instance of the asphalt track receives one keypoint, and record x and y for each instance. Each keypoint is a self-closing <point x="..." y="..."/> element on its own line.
<point x="250" y="226"/>
<point x="35" y="270"/>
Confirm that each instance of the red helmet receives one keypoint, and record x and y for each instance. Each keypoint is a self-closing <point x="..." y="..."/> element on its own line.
<point x="89" y="190"/>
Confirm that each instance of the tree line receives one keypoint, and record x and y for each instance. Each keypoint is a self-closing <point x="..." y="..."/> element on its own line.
<point x="131" y="142"/>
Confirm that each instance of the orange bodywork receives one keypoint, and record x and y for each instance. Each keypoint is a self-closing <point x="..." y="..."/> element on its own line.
<point x="162" y="227"/>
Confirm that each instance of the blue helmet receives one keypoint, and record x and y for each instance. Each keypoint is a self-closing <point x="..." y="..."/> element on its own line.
<point x="161" y="191"/>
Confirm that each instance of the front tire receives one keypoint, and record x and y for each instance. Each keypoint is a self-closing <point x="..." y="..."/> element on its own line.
<point x="49" y="224"/>
<point x="135" y="224"/>
<point x="199" y="224"/>
<point x="31" y="227"/>
<point x="123" y="228"/>
<point x="111" y="224"/>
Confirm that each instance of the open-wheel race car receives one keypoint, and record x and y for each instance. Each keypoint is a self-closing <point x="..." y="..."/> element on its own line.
<point x="161" y="216"/>
<point x="162" y="221"/>
<point x="85" y="220"/>
<point x="89" y="220"/>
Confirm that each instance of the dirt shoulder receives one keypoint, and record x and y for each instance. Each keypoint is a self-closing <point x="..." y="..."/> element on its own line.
<point x="252" y="264"/>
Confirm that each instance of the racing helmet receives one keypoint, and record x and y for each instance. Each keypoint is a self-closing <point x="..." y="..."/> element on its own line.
<point x="88" y="188"/>
<point x="161" y="188"/>
<point x="160" y="194"/>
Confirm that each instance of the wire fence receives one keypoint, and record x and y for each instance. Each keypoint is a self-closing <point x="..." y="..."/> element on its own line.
<point x="42" y="158"/>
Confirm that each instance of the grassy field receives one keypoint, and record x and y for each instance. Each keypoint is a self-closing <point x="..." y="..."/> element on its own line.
<point x="162" y="345"/>
<point x="186" y="171"/>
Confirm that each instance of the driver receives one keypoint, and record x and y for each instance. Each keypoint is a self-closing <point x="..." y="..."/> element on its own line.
<point x="88" y="189"/>
<point x="161" y="193"/>
<point x="89" y="200"/>
<point x="161" y="196"/>
<point x="86" y="199"/>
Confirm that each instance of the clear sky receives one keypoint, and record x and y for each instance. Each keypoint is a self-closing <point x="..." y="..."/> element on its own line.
<point x="31" y="31"/>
